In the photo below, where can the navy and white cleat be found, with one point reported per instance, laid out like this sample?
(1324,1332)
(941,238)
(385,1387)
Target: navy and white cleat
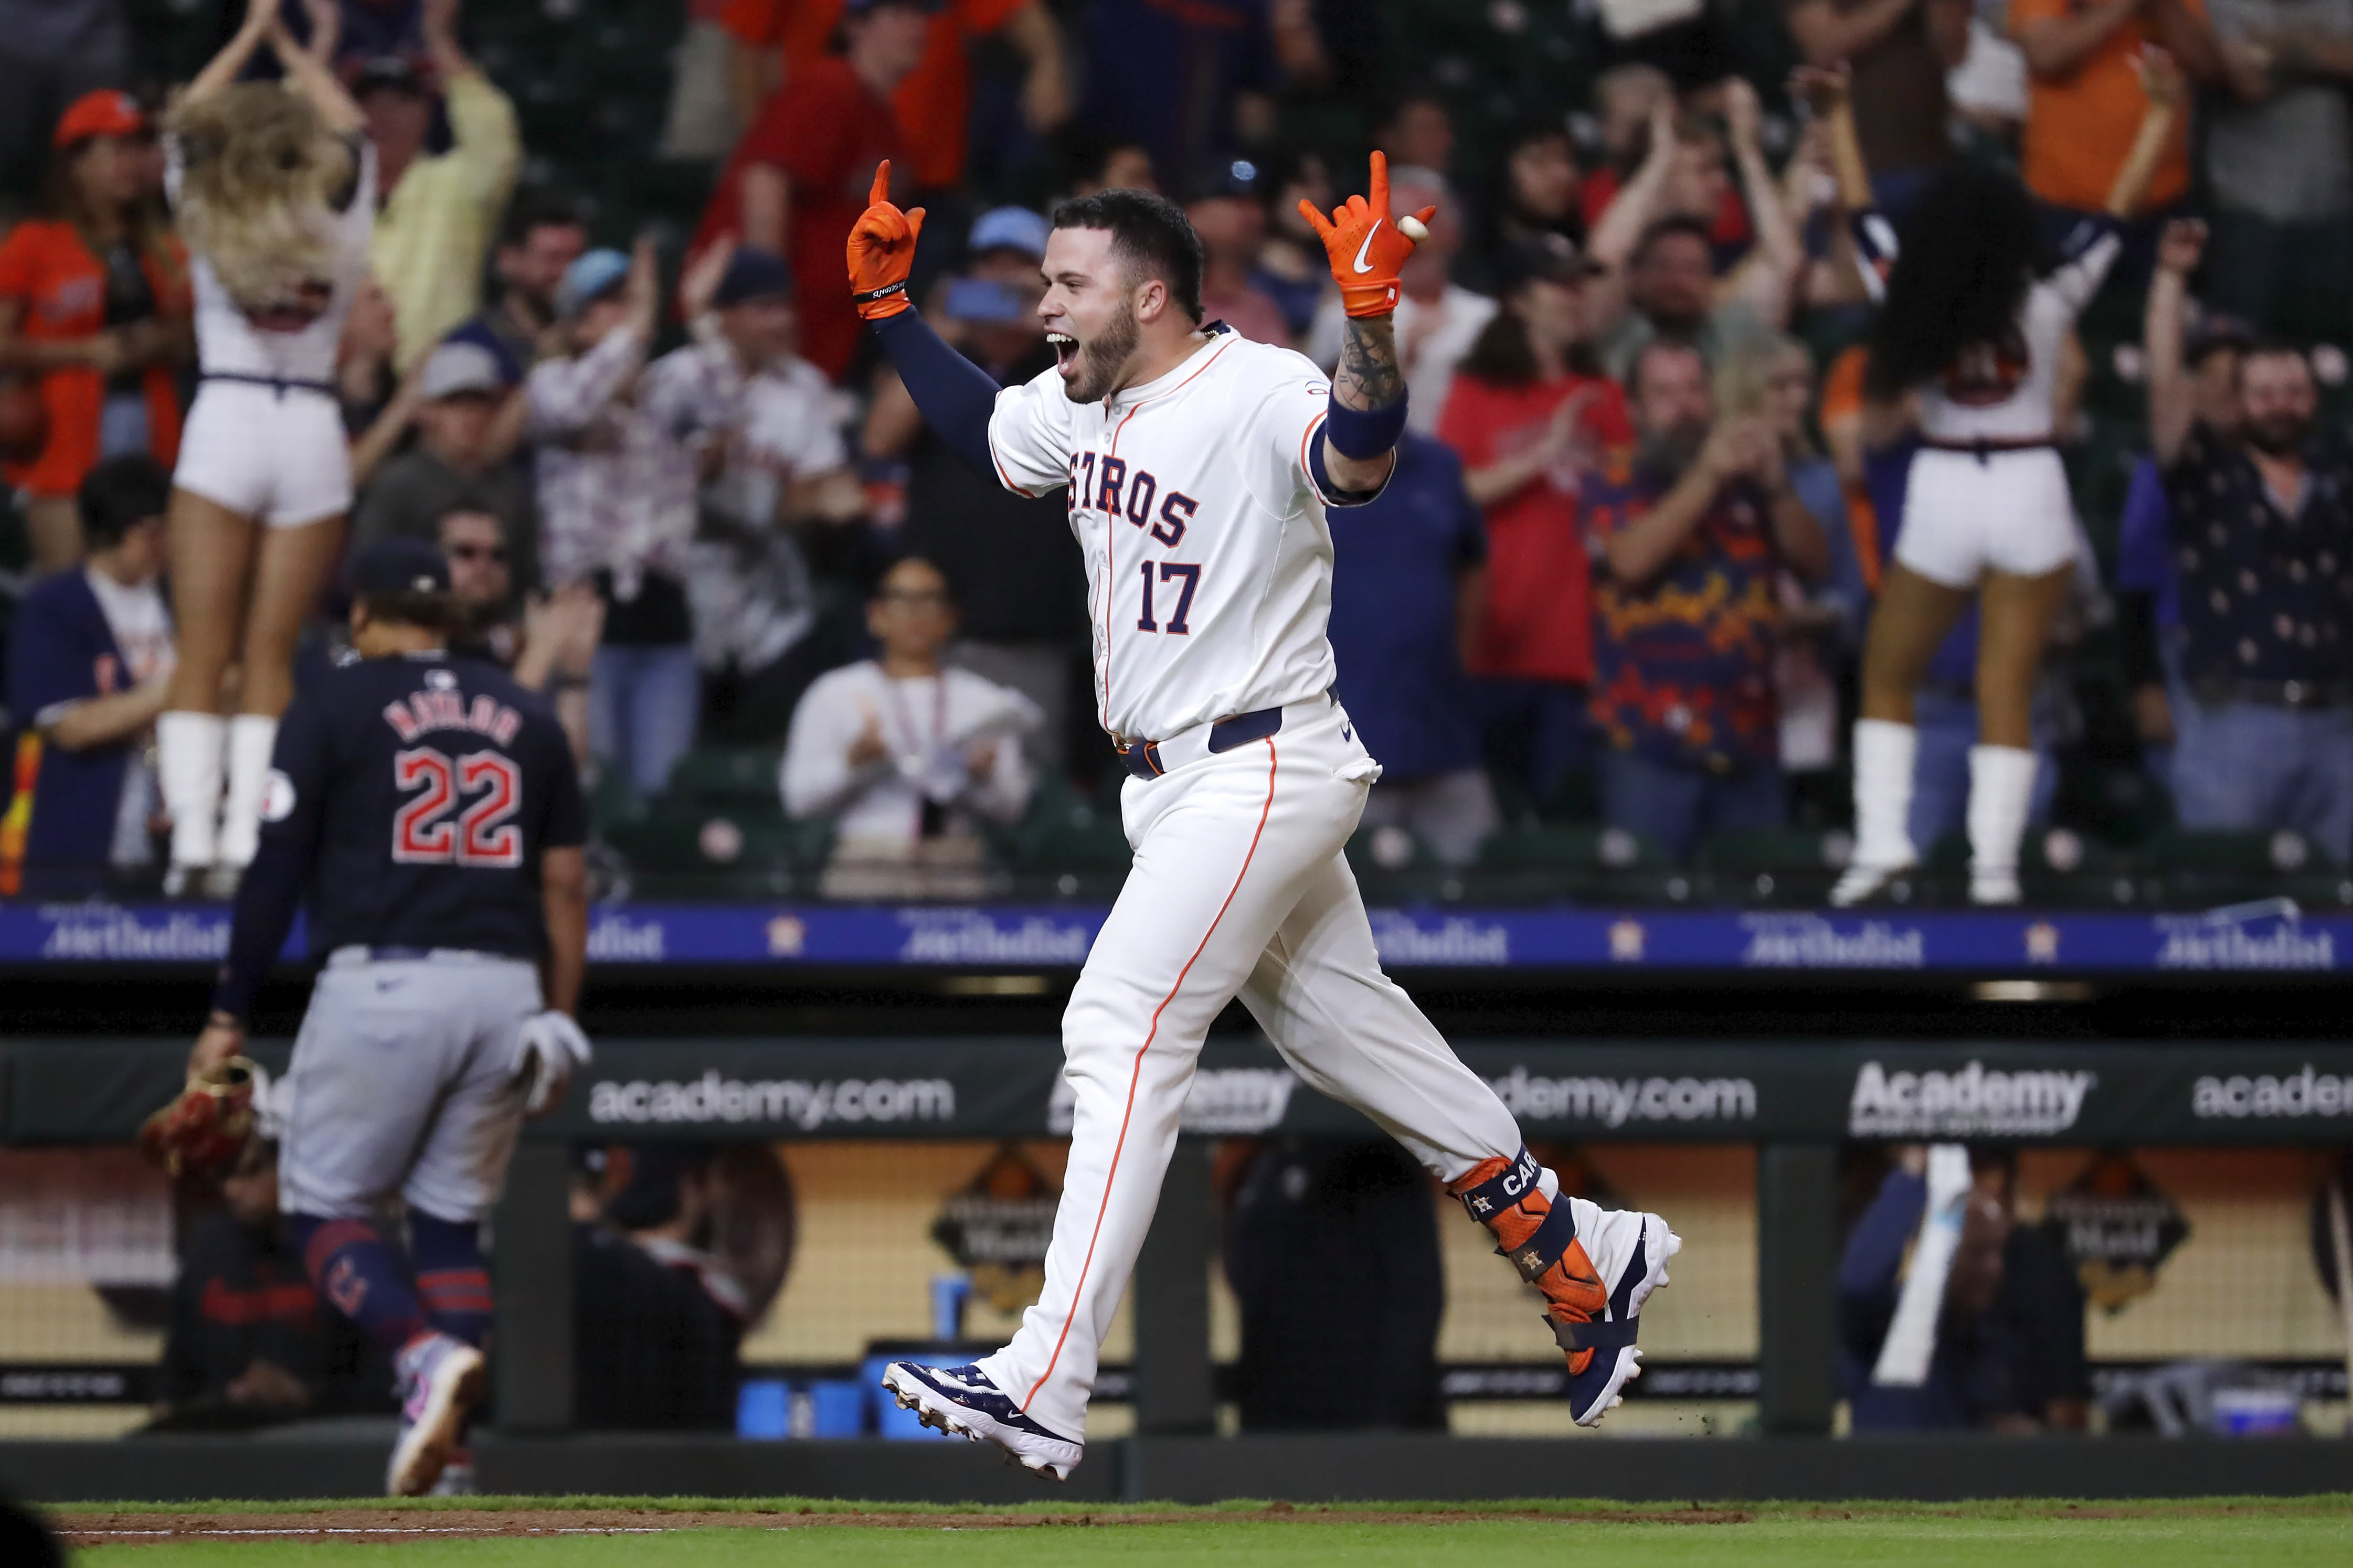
(961,1400)
(1629,1252)
(441,1380)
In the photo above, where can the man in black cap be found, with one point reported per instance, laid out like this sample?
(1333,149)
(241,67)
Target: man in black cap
(1226,204)
(427,812)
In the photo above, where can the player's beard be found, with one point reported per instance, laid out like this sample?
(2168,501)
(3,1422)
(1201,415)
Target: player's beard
(1102,359)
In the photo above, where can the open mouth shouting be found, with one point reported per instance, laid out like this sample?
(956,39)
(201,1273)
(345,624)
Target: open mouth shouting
(1066,353)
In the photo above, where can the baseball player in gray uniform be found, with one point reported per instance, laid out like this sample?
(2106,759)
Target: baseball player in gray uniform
(426,810)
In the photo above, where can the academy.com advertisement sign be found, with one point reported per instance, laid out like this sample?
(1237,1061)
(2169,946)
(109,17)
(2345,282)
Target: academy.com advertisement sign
(2079,1094)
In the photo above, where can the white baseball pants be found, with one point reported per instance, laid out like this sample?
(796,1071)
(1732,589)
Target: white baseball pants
(1239,888)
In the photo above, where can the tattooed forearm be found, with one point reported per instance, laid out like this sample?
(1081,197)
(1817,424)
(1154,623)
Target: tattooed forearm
(1368,377)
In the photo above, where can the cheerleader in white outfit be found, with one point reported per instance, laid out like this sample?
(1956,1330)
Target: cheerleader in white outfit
(275,193)
(1967,345)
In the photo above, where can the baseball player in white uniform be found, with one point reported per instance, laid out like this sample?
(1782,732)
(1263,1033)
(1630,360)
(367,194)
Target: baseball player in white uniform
(1199,468)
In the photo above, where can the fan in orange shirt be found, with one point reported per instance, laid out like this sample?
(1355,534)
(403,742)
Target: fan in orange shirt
(2085,99)
(776,39)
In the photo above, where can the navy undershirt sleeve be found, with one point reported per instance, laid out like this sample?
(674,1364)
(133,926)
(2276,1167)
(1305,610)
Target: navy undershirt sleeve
(267,897)
(955,396)
(272,887)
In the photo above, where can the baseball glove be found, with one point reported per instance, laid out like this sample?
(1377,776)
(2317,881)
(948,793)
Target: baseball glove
(204,1129)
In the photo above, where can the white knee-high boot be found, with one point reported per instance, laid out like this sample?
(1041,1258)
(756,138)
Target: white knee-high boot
(188,749)
(251,737)
(1884,753)
(2002,787)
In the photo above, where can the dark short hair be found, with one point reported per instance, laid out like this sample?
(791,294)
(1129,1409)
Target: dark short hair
(1659,345)
(538,209)
(882,575)
(1149,234)
(1085,154)
(1667,228)
(120,494)
(1531,129)
(1392,108)
(2276,348)
(430,612)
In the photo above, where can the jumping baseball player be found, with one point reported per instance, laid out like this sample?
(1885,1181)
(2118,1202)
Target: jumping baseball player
(1199,468)
(427,811)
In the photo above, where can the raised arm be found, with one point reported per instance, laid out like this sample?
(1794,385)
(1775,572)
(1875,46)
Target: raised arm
(1367,248)
(2160,77)
(308,72)
(1766,278)
(2056,46)
(1870,239)
(2172,402)
(1827,34)
(1827,93)
(260,18)
(954,395)
(1621,224)
(1037,37)
(487,140)
(2187,37)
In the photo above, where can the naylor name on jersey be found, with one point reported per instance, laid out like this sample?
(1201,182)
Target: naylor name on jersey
(441,708)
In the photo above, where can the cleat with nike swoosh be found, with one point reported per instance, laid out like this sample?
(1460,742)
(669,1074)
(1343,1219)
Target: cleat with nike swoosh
(962,1401)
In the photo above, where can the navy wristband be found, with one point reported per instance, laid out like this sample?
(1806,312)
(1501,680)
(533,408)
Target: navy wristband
(1364,434)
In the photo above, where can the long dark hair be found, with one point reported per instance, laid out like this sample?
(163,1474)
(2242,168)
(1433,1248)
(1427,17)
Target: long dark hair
(1968,253)
(146,226)
(1502,355)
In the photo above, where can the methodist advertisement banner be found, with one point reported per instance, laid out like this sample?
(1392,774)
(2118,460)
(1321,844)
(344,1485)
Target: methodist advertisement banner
(2272,937)
(96,1091)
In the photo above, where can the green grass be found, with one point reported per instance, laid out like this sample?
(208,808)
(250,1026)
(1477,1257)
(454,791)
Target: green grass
(2276,1533)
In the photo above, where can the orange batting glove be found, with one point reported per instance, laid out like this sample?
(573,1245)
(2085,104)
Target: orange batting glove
(882,251)
(1365,249)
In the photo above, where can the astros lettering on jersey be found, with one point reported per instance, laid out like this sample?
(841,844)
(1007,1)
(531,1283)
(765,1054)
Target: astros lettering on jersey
(1208,558)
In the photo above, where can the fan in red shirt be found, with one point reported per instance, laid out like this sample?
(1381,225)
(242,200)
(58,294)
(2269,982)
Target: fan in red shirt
(1529,427)
(776,40)
(801,175)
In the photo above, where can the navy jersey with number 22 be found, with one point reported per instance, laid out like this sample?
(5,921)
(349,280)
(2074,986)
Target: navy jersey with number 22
(420,790)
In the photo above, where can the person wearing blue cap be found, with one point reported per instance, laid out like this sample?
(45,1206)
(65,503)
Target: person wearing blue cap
(1003,239)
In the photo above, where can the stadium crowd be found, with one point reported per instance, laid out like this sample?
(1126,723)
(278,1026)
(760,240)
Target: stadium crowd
(1622,574)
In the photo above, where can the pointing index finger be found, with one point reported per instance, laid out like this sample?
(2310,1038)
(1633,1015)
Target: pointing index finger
(1378,197)
(881,194)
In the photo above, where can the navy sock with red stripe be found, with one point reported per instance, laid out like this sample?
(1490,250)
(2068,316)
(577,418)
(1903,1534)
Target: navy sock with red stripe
(356,1271)
(451,1282)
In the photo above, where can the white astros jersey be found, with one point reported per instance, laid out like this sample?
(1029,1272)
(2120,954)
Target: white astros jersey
(1208,560)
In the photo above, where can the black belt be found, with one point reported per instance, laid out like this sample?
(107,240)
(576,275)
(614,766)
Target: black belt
(2215,690)
(398,954)
(1143,759)
(279,384)
(1985,447)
